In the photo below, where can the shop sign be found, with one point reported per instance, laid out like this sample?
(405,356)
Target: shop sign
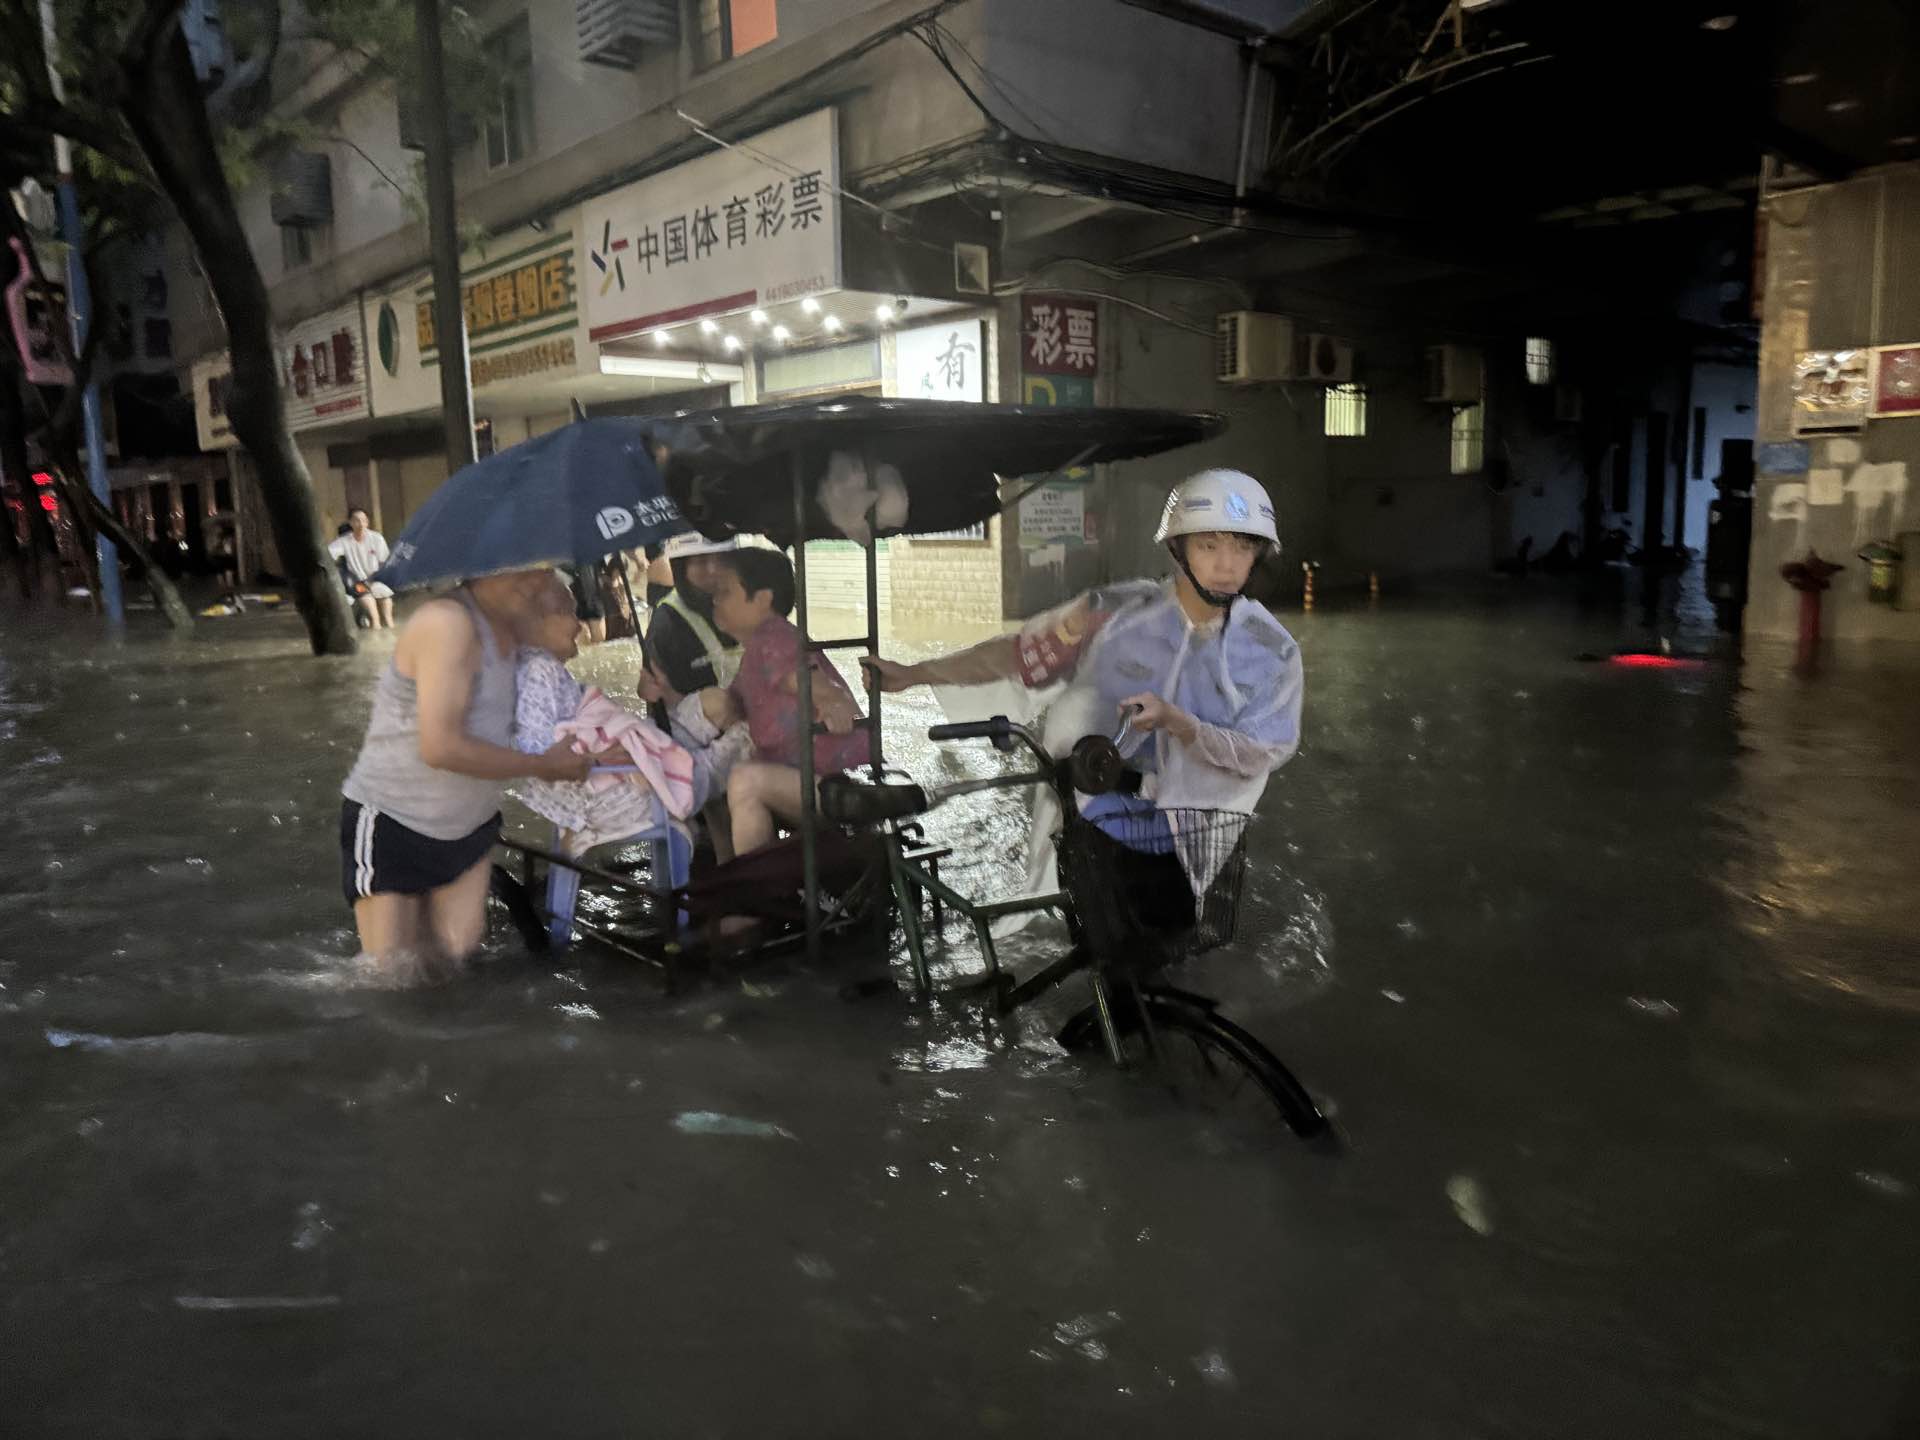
(1896,380)
(323,372)
(523,318)
(755,224)
(540,289)
(1059,335)
(37,311)
(941,362)
(212,379)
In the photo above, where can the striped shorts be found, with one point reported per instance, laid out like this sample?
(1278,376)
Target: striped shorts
(380,856)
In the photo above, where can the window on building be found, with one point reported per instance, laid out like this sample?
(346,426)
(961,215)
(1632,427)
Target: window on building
(119,339)
(1346,411)
(296,246)
(1699,442)
(1469,441)
(159,339)
(1540,368)
(510,121)
(726,28)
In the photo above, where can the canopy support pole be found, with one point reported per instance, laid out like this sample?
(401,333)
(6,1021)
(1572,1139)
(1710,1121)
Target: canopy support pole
(873,646)
(803,684)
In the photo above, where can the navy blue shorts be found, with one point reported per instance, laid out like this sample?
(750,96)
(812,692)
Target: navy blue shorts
(380,856)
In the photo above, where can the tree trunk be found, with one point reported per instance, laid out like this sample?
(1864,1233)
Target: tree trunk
(163,108)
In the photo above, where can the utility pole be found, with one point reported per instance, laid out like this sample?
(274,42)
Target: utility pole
(443,235)
(80,304)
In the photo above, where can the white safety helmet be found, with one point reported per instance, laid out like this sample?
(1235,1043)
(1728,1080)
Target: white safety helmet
(680,547)
(1219,500)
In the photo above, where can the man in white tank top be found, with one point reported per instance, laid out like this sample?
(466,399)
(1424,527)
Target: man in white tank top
(422,804)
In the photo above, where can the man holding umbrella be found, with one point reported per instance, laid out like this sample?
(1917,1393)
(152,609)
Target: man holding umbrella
(421,809)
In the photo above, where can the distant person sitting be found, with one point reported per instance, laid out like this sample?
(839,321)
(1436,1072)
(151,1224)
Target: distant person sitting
(752,597)
(347,582)
(363,552)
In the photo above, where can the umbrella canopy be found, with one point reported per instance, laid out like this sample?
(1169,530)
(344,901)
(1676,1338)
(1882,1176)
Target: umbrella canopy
(731,471)
(570,496)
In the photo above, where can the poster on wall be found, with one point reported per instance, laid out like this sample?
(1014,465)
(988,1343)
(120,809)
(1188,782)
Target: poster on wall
(1831,391)
(1054,515)
(1896,381)
(1057,513)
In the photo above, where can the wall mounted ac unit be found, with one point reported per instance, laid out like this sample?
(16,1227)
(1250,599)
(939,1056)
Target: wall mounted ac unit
(1328,360)
(1250,347)
(1568,403)
(619,32)
(1454,375)
(302,192)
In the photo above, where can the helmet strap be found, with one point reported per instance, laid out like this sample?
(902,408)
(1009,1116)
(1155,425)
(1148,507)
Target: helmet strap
(1219,601)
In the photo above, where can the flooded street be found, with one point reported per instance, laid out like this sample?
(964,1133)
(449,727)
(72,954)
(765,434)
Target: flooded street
(1609,976)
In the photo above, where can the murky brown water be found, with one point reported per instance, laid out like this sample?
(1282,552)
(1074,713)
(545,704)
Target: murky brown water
(1610,975)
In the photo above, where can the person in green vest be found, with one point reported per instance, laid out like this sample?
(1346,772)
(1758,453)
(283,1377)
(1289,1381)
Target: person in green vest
(688,655)
(685,649)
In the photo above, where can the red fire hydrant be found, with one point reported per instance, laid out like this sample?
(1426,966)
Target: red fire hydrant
(1810,577)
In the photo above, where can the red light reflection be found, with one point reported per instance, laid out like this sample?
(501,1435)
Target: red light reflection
(1642,660)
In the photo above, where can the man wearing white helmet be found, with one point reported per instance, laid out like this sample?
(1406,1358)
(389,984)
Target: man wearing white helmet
(1200,685)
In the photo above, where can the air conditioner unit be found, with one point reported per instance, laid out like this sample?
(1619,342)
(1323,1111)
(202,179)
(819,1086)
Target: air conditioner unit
(1568,403)
(1454,375)
(1250,347)
(619,32)
(1328,360)
(302,189)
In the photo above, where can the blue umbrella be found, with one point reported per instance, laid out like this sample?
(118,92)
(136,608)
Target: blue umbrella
(571,496)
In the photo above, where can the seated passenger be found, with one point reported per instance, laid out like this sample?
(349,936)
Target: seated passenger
(752,597)
(667,782)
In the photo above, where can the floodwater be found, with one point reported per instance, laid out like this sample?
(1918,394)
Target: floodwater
(1609,975)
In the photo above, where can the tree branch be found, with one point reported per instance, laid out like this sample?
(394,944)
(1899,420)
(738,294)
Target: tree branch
(40,121)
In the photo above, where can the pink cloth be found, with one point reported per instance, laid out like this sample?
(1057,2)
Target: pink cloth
(769,660)
(600,724)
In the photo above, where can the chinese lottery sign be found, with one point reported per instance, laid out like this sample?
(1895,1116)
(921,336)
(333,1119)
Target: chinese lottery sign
(752,225)
(1059,335)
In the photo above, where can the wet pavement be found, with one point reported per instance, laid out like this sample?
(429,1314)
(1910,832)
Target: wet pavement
(1609,974)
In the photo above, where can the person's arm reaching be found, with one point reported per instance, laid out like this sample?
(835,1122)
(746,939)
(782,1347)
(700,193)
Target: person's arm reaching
(440,647)
(994,659)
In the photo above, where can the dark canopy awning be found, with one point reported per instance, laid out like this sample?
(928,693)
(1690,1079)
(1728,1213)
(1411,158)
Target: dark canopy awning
(731,471)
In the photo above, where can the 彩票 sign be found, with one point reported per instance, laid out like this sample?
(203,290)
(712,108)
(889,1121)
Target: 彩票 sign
(1059,335)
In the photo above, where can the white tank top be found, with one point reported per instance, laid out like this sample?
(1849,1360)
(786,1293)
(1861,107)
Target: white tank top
(389,776)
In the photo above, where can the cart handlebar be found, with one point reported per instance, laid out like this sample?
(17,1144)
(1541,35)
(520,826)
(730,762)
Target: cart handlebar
(998,728)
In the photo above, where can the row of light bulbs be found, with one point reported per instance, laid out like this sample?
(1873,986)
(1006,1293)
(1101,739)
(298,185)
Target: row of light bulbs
(832,324)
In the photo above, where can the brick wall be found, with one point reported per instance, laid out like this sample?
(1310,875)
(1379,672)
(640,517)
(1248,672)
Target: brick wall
(948,579)
(837,575)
